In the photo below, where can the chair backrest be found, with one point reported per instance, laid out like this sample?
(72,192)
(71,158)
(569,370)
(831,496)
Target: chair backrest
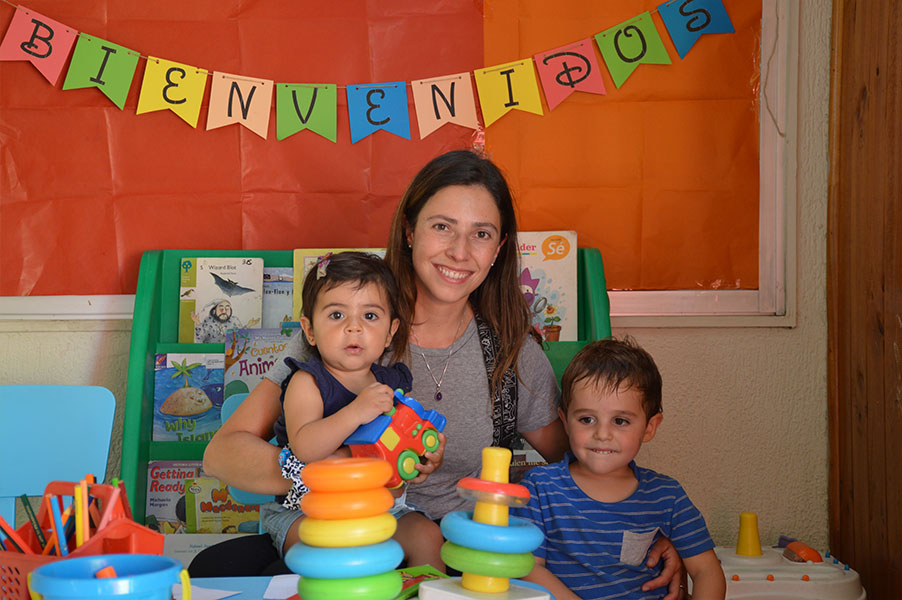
(241,496)
(51,433)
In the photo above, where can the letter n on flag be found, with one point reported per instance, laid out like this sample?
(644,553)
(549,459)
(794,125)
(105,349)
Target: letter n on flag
(568,69)
(312,106)
(243,100)
(442,100)
(511,86)
(43,42)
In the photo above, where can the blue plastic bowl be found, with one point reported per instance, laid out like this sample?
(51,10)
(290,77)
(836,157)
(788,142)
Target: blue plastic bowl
(138,577)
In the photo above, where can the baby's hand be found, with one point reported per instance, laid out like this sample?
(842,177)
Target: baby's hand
(374,400)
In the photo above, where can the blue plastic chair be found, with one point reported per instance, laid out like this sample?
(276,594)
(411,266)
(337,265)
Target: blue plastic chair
(51,433)
(241,496)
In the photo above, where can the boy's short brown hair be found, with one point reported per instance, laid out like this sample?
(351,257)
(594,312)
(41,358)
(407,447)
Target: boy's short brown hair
(610,364)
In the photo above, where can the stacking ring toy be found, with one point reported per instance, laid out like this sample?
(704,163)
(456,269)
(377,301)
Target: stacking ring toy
(518,537)
(384,586)
(492,492)
(347,532)
(336,563)
(487,564)
(346,474)
(347,505)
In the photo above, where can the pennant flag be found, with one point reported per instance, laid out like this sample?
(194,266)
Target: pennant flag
(506,87)
(178,87)
(378,106)
(107,66)
(43,42)
(442,100)
(306,106)
(243,100)
(629,44)
(568,69)
(687,20)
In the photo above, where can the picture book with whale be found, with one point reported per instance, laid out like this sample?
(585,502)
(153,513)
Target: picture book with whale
(218,294)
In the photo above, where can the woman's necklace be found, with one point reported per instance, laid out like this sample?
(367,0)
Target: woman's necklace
(438,382)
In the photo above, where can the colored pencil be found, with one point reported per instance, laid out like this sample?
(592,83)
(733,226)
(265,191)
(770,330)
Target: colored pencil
(79,517)
(57,522)
(29,512)
(14,537)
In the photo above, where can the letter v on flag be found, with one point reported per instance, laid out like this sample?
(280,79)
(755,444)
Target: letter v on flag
(43,42)
(312,106)
(175,86)
(505,87)
(243,100)
(442,100)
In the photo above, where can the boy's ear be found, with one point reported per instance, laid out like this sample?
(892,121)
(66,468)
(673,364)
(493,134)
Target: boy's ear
(395,323)
(563,417)
(652,427)
(307,326)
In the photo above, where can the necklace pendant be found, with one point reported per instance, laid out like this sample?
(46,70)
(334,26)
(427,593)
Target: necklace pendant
(438,396)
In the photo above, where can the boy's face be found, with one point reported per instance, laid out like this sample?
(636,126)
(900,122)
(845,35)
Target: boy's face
(607,428)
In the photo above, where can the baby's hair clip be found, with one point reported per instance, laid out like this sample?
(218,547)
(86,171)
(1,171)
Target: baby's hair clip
(322,264)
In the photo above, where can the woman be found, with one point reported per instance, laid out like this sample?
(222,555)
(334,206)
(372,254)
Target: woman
(453,250)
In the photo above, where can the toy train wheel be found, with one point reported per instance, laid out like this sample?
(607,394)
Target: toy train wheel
(430,440)
(407,461)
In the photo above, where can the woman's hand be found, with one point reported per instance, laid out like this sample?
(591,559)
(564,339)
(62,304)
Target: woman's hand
(672,573)
(433,461)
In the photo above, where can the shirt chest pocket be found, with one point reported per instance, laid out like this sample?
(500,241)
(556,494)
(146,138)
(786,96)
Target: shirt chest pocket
(634,546)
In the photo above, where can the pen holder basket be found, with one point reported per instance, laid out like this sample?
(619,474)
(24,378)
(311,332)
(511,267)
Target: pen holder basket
(137,577)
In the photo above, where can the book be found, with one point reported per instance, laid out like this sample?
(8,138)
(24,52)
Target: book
(187,396)
(184,548)
(412,577)
(548,278)
(249,353)
(278,287)
(165,506)
(304,259)
(217,294)
(209,508)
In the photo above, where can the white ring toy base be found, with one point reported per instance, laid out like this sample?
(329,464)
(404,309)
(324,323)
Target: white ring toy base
(450,589)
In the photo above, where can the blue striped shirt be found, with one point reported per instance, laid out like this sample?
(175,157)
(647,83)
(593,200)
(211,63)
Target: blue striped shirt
(584,538)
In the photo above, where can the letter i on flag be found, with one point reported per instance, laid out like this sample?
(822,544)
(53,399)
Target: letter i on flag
(178,87)
(629,44)
(569,69)
(237,99)
(687,20)
(378,106)
(442,100)
(107,66)
(507,87)
(43,42)
(312,106)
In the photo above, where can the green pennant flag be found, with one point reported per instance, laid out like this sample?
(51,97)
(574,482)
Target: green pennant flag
(104,65)
(306,106)
(629,44)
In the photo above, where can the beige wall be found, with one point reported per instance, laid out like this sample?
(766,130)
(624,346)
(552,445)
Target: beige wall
(745,425)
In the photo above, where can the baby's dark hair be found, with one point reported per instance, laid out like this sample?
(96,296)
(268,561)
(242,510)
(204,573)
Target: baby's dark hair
(610,364)
(360,268)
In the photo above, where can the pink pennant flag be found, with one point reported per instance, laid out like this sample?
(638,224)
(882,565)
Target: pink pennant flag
(441,100)
(43,42)
(237,99)
(568,69)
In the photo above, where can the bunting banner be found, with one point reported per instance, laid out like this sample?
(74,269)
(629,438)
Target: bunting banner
(236,99)
(312,106)
(107,66)
(442,100)
(687,20)
(376,106)
(635,41)
(43,42)
(172,85)
(511,86)
(568,69)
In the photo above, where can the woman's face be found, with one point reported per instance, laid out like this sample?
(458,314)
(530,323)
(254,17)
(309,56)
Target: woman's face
(454,242)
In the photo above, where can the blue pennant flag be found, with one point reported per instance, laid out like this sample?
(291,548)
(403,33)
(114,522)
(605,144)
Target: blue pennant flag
(377,106)
(687,20)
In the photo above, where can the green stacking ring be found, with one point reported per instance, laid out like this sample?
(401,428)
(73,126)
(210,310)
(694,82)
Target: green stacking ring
(489,564)
(383,586)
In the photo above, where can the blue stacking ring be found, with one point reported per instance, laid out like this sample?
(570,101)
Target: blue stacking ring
(519,537)
(352,561)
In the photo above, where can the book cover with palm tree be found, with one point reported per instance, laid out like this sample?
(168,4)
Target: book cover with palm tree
(187,396)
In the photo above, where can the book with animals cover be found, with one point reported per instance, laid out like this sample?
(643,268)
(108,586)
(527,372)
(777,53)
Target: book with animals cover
(187,396)
(278,288)
(548,280)
(249,353)
(305,258)
(218,294)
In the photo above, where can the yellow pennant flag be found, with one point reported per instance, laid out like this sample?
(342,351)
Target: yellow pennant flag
(178,87)
(236,99)
(506,87)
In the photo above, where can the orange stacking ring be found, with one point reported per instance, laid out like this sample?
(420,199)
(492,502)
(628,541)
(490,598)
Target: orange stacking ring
(492,492)
(346,505)
(346,474)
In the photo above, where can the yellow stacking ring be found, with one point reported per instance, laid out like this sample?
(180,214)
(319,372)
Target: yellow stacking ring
(346,474)
(347,505)
(347,532)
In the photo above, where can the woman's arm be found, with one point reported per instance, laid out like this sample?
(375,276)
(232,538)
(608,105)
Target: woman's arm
(708,581)
(240,454)
(551,441)
(671,575)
